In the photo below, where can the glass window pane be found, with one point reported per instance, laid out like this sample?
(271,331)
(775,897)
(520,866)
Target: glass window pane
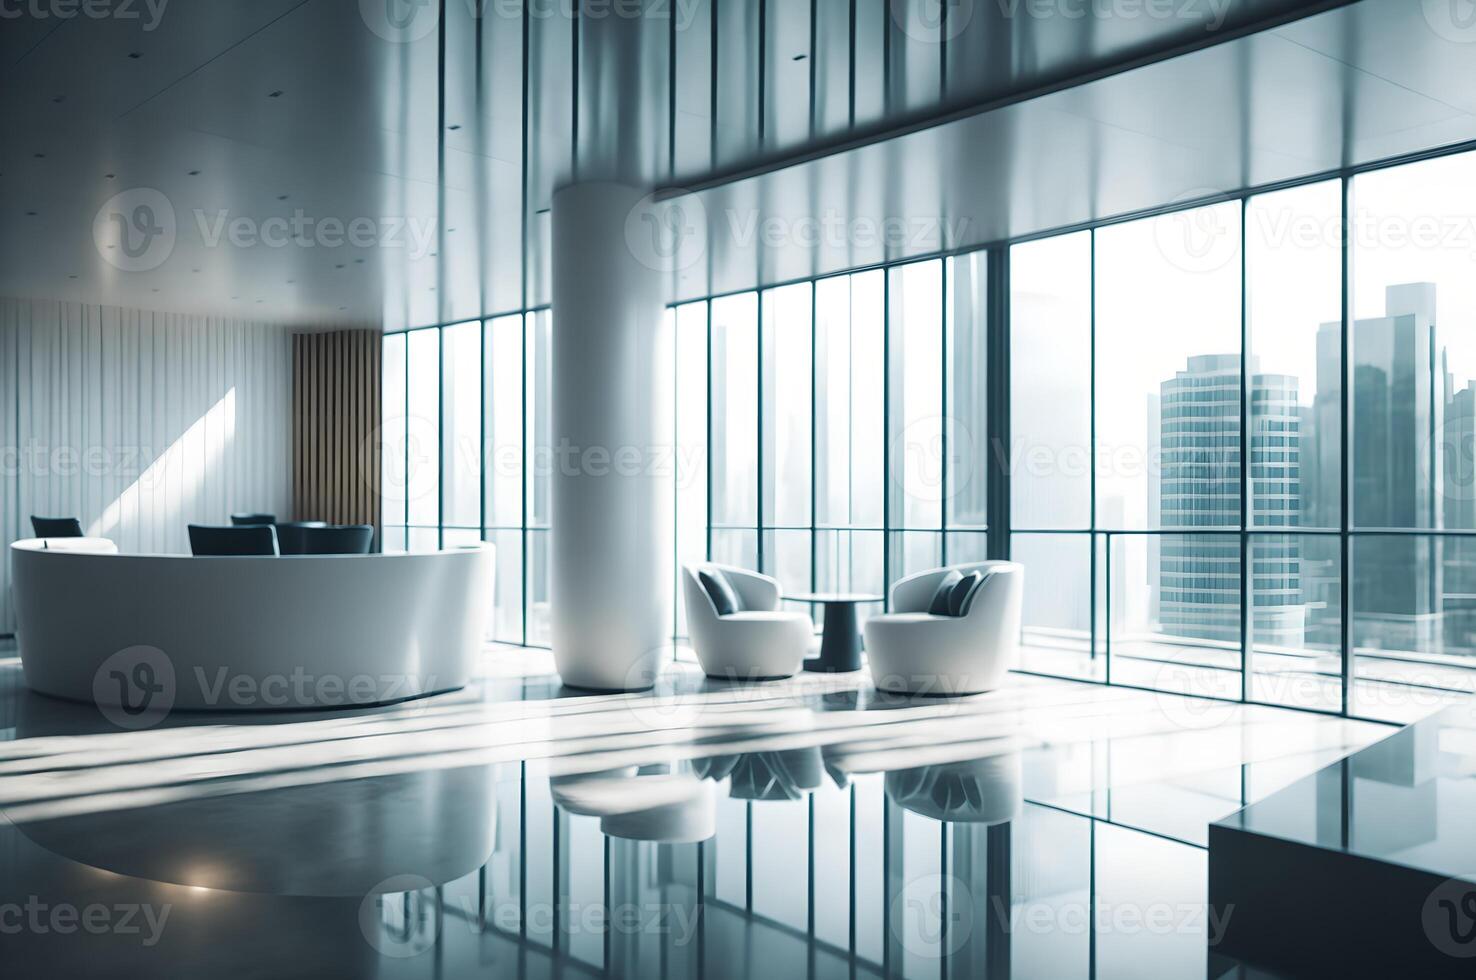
(424,539)
(916,393)
(539,626)
(1175,612)
(1413,346)
(786,406)
(393,446)
(461,441)
(504,423)
(850,347)
(1296,621)
(1168,370)
(1051,383)
(691,442)
(507,603)
(966,546)
(396,539)
(1056,631)
(967,382)
(539,416)
(735,409)
(913,552)
(1412,624)
(787,558)
(423,427)
(735,546)
(850,561)
(1294,308)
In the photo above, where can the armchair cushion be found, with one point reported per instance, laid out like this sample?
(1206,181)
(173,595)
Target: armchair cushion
(942,604)
(720,590)
(963,593)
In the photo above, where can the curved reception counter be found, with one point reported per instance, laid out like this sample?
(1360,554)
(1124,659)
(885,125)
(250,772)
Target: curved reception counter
(144,634)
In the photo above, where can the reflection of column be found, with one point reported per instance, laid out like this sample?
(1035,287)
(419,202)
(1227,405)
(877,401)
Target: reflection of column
(611,550)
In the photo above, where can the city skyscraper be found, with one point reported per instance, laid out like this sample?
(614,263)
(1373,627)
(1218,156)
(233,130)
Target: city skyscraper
(1398,409)
(1199,439)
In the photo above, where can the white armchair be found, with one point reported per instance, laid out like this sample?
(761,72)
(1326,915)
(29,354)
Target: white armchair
(912,651)
(759,642)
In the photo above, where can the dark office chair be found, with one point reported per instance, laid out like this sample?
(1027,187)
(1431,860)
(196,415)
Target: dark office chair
(351,539)
(290,536)
(252,520)
(57,527)
(250,539)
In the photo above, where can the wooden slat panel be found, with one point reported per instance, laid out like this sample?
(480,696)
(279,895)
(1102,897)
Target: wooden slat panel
(337,378)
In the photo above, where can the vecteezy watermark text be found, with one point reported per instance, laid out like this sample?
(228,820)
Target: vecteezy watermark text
(302,230)
(149,12)
(40,918)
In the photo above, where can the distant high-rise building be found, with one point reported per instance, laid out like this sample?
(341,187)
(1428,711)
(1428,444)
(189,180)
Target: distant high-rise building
(1199,439)
(1398,408)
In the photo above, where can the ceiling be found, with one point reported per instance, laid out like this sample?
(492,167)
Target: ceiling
(324,161)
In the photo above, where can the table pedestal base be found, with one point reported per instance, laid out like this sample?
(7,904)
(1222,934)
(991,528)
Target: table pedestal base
(840,645)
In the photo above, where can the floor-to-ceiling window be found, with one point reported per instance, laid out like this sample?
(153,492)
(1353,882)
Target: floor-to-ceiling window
(1245,480)
(1237,457)
(845,426)
(467,455)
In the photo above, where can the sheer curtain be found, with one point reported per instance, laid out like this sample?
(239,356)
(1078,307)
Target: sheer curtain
(138,423)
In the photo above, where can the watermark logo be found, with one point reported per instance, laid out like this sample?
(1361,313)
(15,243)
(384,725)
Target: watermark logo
(1453,20)
(1186,697)
(933,916)
(401,916)
(1201,239)
(135,230)
(933,459)
(135,688)
(1449,918)
(150,12)
(932,21)
(40,918)
(400,21)
(416,236)
(409,450)
(667,233)
(1451,448)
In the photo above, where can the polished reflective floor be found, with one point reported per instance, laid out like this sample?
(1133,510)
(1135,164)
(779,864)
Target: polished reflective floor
(808,828)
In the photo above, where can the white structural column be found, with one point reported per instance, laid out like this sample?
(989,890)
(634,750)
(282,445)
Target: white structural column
(611,554)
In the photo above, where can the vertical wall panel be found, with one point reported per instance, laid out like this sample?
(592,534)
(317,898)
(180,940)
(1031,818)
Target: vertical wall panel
(138,423)
(336,459)
(736,123)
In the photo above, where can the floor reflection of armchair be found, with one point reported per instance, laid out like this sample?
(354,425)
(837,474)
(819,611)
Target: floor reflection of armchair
(927,646)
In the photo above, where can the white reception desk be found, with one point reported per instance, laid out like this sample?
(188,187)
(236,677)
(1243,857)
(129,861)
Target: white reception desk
(165,632)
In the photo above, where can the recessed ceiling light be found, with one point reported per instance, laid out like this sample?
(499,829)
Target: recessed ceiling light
(39,156)
(281,197)
(30,214)
(59,99)
(291,281)
(108,176)
(343,307)
(194,173)
(338,266)
(358,261)
(454,126)
(275,95)
(71,277)
(135,55)
(156,289)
